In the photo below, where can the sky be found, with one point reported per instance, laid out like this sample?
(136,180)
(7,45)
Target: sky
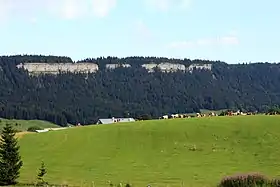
(233,31)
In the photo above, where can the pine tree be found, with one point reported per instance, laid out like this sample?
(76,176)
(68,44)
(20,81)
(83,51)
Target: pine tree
(10,159)
(42,172)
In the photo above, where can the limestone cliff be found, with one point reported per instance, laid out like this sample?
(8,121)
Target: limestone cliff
(55,68)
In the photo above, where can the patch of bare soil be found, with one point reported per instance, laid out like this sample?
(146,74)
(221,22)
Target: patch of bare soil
(21,134)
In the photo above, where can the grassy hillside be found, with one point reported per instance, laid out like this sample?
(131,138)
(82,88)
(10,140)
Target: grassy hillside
(167,152)
(23,125)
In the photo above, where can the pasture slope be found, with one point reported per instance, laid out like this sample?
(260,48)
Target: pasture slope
(197,152)
(23,125)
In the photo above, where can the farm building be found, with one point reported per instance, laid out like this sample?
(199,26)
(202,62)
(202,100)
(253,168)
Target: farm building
(114,120)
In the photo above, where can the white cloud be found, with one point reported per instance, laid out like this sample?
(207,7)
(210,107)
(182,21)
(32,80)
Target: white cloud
(65,9)
(231,39)
(165,5)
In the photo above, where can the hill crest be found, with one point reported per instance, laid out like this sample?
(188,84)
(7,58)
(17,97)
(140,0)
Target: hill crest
(75,98)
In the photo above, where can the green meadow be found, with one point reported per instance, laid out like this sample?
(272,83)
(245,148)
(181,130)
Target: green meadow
(23,125)
(181,152)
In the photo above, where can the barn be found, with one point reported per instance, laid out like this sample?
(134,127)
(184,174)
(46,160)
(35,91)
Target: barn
(114,120)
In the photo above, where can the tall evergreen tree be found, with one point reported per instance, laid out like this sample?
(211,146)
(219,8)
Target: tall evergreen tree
(42,172)
(10,159)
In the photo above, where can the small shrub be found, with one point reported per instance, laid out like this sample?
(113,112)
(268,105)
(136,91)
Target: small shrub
(33,129)
(275,183)
(245,180)
(17,130)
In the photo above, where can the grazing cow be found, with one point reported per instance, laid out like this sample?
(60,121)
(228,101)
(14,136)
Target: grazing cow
(165,117)
(174,115)
(243,114)
(212,114)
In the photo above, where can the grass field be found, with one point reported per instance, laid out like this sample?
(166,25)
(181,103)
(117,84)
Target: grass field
(23,125)
(158,152)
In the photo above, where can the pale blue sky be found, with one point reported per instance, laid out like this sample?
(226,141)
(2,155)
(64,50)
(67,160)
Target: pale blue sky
(234,31)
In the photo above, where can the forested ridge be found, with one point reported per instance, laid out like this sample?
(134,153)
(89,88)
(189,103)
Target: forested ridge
(79,98)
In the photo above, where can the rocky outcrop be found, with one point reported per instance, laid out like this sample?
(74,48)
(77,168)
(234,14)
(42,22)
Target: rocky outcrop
(149,67)
(55,68)
(199,66)
(114,66)
(170,67)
